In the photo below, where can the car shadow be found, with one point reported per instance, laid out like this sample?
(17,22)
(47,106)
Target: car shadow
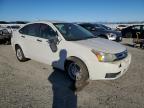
(132,46)
(63,87)
(4,42)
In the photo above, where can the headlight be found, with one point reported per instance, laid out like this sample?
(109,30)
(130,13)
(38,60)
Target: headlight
(104,57)
(111,35)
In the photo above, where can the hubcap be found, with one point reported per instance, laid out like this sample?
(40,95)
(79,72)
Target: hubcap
(19,54)
(74,71)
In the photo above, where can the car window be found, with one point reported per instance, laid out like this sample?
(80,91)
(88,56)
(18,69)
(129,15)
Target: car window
(15,27)
(143,27)
(31,29)
(136,27)
(88,27)
(46,31)
(121,25)
(73,32)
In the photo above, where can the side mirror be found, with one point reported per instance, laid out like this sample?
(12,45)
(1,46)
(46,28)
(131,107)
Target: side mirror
(54,41)
(53,44)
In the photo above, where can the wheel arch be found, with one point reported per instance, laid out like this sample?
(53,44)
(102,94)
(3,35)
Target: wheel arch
(16,46)
(72,58)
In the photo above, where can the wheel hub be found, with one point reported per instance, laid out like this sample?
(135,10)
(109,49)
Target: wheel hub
(74,71)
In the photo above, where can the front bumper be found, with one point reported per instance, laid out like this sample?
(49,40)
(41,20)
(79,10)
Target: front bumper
(109,70)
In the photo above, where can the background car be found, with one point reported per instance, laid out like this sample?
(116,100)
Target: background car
(5,36)
(101,31)
(130,32)
(72,48)
(121,27)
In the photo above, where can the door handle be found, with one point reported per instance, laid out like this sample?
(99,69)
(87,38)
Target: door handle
(23,36)
(39,40)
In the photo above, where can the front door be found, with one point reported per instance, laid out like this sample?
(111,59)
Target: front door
(43,50)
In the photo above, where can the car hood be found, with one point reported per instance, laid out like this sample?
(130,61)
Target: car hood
(102,45)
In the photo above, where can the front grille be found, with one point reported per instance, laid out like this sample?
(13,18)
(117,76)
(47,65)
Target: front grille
(122,55)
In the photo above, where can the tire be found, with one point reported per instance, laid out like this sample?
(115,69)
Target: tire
(78,72)
(20,55)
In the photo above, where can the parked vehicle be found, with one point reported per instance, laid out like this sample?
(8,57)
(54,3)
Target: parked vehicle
(12,28)
(5,36)
(130,32)
(100,31)
(71,48)
(121,27)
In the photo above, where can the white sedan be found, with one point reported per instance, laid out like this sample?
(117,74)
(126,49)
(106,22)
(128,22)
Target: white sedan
(71,48)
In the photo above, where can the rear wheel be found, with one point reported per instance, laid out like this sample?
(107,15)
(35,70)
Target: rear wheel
(20,55)
(78,72)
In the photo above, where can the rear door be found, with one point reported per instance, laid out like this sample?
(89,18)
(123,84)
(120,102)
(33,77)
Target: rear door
(29,36)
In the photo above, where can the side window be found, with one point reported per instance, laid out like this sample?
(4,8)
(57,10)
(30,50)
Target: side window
(24,30)
(86,27)
(46,31)
(136,27)
(89,27)
(31,29)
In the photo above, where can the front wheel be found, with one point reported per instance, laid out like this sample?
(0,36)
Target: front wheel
(78,72)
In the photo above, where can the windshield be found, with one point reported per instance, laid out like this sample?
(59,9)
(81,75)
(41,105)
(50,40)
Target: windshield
(99,27)
(108,28)
(73,32)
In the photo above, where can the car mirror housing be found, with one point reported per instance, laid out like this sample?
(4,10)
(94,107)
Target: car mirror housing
(53,44)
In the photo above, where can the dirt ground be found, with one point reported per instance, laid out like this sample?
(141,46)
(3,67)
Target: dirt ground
(35,85)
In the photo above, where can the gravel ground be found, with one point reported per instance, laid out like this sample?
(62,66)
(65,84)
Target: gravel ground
(35,85)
